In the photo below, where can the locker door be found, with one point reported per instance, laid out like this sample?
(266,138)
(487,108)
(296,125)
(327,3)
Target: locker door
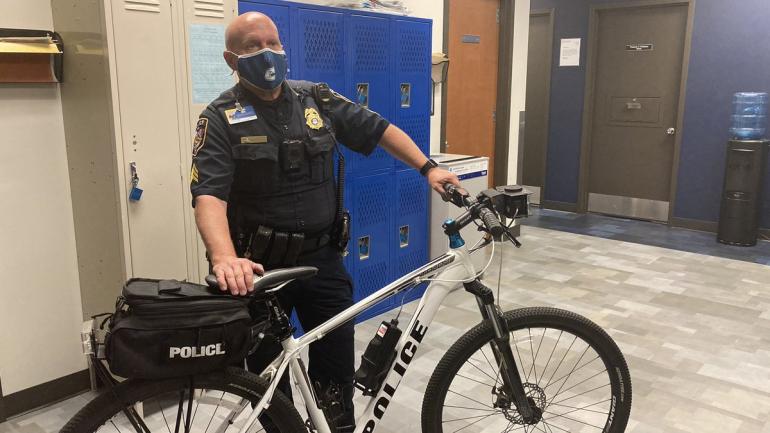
(321,54)
(209,17)
(409,231)
(369,258)
(411,87)
(149,121)
(368,42)
(282,19)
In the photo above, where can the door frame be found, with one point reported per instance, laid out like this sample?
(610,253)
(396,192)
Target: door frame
(520,173)
(504,85)
(588,102)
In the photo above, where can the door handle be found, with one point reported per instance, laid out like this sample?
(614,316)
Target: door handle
(671,131)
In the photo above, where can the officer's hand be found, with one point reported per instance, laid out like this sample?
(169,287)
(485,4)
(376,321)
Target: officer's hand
(236,274)
(437,177)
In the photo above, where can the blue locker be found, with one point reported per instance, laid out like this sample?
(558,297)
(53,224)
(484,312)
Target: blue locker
(368,63)
(411,88)
(409,231)
(319,41)
(282,17)
(369,248)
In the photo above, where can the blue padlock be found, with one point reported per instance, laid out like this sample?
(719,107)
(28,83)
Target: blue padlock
(135,194)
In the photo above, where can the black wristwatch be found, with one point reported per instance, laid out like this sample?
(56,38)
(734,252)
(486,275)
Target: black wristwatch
(428,166)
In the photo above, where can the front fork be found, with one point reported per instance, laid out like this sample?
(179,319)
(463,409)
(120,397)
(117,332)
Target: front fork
(501,348)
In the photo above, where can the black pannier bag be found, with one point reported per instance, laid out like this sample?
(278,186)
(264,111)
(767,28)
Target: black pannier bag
(168,328)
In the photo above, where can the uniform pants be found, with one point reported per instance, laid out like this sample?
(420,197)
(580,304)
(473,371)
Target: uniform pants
(316,300)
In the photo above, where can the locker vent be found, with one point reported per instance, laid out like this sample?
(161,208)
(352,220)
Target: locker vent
(210,8)
(323,45)
(372,278)
(415,55)
(373,204)
(409,262)
(371,53)
(417,127)
(412,196)
(142,5)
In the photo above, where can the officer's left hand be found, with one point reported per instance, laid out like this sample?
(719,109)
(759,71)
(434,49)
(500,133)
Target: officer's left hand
(437,177)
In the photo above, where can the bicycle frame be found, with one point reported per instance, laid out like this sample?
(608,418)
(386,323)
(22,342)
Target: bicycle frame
(449,272)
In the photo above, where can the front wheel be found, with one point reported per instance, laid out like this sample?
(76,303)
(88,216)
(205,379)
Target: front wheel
(570,368)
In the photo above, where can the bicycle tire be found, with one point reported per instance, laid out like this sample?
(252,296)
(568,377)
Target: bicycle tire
(232,380)
(517,320)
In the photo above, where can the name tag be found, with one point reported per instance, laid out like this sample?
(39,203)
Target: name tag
(254,139)
(246,114)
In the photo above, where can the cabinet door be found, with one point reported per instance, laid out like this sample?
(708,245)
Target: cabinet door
(319,38)
(411,87)
(369,259)
(206,76)
(409,231)
(368,63)
(146,90)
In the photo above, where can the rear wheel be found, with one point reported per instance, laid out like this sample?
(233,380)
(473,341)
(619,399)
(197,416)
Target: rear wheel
(221,403)
(572,372)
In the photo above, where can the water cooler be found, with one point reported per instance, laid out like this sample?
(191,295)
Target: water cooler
(744,175)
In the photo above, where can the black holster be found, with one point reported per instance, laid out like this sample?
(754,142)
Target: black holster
(269,247)
(340,234)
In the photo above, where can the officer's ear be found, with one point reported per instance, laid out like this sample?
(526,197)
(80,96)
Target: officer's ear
(232,60)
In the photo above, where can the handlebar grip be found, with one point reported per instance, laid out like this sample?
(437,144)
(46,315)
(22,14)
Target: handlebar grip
(491,222)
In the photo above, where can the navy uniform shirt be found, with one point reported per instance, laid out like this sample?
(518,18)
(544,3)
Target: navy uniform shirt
(240,155)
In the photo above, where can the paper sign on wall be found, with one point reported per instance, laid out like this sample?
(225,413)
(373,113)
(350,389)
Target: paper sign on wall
(570,52)
(210,74)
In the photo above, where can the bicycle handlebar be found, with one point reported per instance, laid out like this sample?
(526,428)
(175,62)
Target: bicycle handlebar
(461,198)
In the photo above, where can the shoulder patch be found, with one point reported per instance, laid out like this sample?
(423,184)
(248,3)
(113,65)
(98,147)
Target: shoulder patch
(200,135)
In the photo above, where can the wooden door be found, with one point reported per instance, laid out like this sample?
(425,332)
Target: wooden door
(472,78)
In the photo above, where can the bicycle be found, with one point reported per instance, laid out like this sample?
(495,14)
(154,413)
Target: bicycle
(493,378)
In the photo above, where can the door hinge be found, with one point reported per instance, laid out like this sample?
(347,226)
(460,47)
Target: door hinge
(494,115)
(497,16)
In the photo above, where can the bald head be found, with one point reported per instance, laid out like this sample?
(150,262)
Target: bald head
(250,32)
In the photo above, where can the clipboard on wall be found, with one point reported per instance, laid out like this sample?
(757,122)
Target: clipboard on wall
(31,56)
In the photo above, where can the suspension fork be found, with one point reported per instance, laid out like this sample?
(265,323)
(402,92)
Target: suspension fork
(501,348)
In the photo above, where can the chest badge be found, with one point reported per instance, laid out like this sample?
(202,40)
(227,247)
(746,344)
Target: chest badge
(313,119)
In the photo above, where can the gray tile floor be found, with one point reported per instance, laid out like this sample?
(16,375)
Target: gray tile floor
(695,331)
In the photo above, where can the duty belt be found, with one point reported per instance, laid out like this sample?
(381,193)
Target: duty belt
(275,248)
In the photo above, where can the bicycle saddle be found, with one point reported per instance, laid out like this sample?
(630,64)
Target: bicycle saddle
(272,279)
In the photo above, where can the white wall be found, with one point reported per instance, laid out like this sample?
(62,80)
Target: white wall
(518,82)
(40,309)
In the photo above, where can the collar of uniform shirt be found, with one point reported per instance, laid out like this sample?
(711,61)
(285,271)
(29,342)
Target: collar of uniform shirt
(254,100)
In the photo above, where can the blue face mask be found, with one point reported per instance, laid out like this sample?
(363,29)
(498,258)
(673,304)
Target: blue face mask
(266,69)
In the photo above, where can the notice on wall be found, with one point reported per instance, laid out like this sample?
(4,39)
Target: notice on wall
(570,52)
(210,75)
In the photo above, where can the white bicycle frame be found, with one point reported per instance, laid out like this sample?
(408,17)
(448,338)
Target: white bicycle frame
(447,273)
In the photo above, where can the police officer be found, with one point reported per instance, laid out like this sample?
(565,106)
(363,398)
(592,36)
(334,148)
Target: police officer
(263,187)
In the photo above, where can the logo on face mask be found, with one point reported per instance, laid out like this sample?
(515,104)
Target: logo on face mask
(270,74)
